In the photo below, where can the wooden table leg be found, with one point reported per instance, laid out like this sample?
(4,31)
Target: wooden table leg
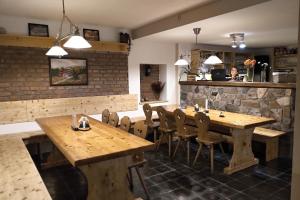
(107,180)
(242,156)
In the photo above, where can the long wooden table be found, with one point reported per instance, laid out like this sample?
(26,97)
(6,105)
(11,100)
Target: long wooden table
(241,127)
(100,153)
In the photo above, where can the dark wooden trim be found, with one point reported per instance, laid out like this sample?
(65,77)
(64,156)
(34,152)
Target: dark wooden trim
(241,84)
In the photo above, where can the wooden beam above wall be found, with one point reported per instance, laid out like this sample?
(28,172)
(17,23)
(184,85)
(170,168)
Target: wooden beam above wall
(193,15)
(47,42)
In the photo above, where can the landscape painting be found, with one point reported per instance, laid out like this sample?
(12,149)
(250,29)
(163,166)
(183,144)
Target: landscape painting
(68,71)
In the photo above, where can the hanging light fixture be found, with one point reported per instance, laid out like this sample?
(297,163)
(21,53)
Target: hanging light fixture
(75,40)
(238,40)
(181,61)
(213,60)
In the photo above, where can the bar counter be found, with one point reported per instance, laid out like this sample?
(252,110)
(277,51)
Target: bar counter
(241,84)
(275,100)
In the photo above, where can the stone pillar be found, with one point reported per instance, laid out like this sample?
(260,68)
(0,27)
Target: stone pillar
(295,195)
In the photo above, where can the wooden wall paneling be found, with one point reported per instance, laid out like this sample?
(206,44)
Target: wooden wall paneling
(14,111)
(29,110)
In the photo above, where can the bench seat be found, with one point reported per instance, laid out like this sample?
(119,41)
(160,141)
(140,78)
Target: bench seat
(20,178)
(270,138)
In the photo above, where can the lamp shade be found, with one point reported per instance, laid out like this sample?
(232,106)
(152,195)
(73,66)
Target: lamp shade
(56,51)
(181,61)
(213,60)
(77,42)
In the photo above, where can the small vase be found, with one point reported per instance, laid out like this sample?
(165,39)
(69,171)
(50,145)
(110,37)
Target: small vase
(250,74)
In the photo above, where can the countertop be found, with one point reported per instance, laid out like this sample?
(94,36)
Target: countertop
(241,84)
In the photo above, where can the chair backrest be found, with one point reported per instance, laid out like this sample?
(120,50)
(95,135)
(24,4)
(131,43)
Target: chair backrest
(140,129)
(125,123)
(148,113)
(202,121)
(105,116)
(163,120)
(113,119)
(180,121)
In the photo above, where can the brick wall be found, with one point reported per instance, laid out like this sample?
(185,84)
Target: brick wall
(24,75)
(146,81)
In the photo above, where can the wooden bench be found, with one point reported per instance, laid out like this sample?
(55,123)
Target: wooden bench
(270,138)
(19,177)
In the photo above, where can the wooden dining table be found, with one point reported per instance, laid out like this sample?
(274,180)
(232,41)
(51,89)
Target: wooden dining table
(102,154)
(241,127)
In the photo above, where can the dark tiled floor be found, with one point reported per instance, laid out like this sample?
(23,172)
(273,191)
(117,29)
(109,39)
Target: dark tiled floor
(172,180)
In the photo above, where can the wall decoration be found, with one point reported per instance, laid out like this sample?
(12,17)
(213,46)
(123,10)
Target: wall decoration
(91,35)
(68,71)
(40,30)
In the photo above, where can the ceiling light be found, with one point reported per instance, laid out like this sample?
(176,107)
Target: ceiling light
(238,40)
(181,61)
(196,32)
(242,45)
(56,51)
(213,60)
(74,38)
(76,41)
(234,45)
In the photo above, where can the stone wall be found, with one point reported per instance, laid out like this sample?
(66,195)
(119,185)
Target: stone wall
(24,75)
(268,102)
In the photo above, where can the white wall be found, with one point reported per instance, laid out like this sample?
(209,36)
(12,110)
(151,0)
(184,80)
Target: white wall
(19,26)
(144,51)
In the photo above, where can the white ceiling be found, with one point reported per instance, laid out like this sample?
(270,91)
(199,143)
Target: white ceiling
(269,24)
(118,13)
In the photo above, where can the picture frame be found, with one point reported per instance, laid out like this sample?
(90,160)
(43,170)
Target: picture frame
(40,30)
(91,34)
(68,71)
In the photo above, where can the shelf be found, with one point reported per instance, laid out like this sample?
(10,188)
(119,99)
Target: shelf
(241,84)
(286,55)
(47,42)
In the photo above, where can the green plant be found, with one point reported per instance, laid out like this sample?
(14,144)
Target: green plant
(157,87)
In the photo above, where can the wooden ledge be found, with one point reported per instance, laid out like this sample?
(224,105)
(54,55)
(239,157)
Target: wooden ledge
(47,42)
(241,84)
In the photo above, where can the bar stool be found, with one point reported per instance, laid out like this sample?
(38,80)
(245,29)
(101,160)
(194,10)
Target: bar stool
(105,116)
(137,161)
(208,138)
(113,119)
(184,132)
(125,124)
(167,128)
(149,122)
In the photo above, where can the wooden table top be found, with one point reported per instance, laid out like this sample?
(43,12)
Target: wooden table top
(19,177)
(230,119)
(102,142)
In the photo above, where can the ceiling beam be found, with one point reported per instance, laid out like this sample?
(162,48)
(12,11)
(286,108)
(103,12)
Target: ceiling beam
(195,14)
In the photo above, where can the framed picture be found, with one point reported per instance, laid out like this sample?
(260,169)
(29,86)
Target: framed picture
(91,35)
(40,30)
(68,71)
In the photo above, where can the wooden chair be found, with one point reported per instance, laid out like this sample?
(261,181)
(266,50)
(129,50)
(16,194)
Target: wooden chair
(184,132)
(208,138)
(149,122)
(105,116)
(125,124)
(137,161)
(113,119)
(167,128)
